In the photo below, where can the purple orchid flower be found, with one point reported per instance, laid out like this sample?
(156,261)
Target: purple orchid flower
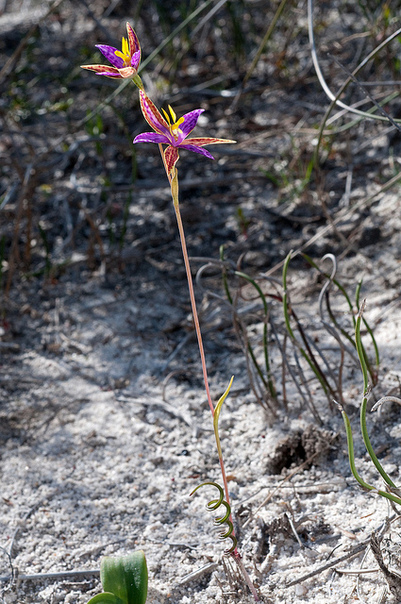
(173,132)
(125,62)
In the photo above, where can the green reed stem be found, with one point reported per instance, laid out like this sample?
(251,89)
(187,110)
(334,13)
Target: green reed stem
(257,366)
(248,344)
(309,359)
(369,330)
(365,436)
(354,471)
(272,390)
(351,307)
(249,347)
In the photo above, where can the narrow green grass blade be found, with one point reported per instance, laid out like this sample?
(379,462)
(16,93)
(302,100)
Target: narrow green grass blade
(376,348)
(285,297)
(309,358)
(271,387)
(354,471)
(363,409)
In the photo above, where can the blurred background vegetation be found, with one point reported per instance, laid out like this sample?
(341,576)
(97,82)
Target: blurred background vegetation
(76,194)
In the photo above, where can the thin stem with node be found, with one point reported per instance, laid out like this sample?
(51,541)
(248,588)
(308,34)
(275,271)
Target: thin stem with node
(174,192)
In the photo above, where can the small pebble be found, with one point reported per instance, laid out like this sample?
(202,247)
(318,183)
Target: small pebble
(300,590)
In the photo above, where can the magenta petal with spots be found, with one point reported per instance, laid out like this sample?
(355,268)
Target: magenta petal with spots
(190,121)
(151,137)
(200,142)
(171,157)
(153,116)
(196,149)
(136,59)
(110,74)
(133,41)
(110,53)
(104,70)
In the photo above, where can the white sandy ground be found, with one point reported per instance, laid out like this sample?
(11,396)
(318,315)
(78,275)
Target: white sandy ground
(105,465)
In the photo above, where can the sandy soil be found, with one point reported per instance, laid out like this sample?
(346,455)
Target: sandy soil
(104,426)
(99,453)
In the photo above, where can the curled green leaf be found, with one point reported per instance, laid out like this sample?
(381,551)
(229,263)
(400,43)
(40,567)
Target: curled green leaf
(225,518)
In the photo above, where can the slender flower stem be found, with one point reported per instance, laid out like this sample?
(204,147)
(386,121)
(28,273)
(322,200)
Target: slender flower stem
(174,193)
(193,304)
(191,287)
(173,180)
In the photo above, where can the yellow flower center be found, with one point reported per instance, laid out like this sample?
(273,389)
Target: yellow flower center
(172,121)
(125,53)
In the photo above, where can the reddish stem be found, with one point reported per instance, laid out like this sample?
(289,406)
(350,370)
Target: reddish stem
(235,555)
(191,289)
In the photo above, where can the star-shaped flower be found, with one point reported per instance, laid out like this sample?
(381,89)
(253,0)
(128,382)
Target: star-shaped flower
(125,62)
(172,132)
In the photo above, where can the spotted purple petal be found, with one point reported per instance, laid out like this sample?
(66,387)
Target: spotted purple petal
(199,150)
(190,120)
(151,137)
(171,157)
(110,74)
(104,70)
(109,53)
(200,142)
(153,116)
(132,40)
(136,59)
